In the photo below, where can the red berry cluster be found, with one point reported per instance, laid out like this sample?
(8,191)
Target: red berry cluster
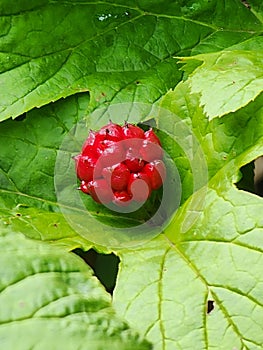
(120,163)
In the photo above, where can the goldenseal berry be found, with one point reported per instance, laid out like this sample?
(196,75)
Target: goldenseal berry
(120,164)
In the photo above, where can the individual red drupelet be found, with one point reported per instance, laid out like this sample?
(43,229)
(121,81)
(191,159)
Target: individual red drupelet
(120,164)
(139,187)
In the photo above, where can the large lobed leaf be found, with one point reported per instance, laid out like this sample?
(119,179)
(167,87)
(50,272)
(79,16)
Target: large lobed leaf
(50,300)
(218,261)
(177,278)
(118,51)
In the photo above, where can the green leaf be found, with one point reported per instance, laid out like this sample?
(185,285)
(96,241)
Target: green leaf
(117,51)
(218,260)
(49,299)
(227,81)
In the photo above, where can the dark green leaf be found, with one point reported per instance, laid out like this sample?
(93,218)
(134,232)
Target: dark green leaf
(118,51)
